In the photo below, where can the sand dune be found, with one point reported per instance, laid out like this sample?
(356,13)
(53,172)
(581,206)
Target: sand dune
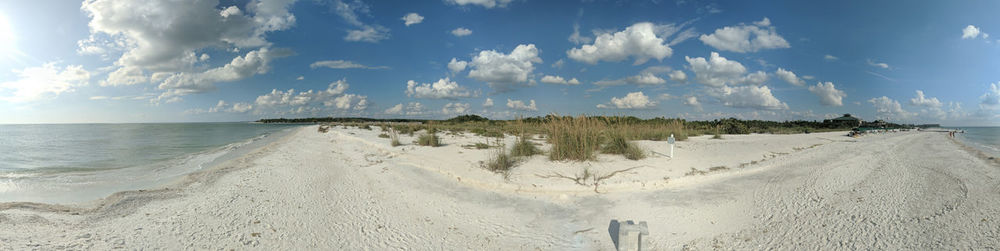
(348,189)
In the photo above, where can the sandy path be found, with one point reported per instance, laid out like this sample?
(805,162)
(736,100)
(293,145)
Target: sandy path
(328,191)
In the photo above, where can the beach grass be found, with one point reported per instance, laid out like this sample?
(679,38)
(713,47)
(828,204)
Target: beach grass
(429,139)
(574,138)
(501,162)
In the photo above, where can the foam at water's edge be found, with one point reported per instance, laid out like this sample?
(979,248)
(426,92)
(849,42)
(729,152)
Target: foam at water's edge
(976,151)
(235,152)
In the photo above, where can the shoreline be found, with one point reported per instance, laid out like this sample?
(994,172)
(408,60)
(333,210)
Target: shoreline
(168,189)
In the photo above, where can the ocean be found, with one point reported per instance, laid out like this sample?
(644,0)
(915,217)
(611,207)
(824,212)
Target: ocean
(986,139)
(72,163)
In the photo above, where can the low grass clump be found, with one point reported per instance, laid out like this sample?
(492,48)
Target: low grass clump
(383,135)
(366,127)
(501,162)
(618,144)
(523,147)
(429,139)
(717,135)
(394,138)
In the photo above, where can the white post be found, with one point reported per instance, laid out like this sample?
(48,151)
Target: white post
(671,142)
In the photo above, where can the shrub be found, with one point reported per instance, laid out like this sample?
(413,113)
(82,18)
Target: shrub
(482,146)
(717,135)
(429,139)
(394,138)
(323,129)
(366,127)
(383,135)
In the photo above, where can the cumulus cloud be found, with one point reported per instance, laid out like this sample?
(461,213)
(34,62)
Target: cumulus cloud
(334,96)
(412,18)
(972,32)
(641,41)
(789,77)
(678,76)
(829,57)
(300,78)
(886,107)
(455,108)
(877,64)
(457,65)
(718,71)
(489,4)
(921,100)
(549,79)
(692,101)
(442,89)
(520,105)
(137,29)
(342,64)
(828,95)
(991,99)
(128,75)
(488,103)
(757,97)
(254,62)
(633,100)
(461,32)
(223,106)
(746,38)
(48,80)
(397,109)
(502,71)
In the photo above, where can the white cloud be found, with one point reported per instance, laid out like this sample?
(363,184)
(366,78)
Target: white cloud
(342,64)
(397,109)
(48,80)
(371,33)
(828,94)
(549,79)
(461,32)
(808,77)
(559,64)
(678,76)
(576,38)
(412,18)
(457,65)
(991,99)
(455,108)
(222,106)
(885,107)
(139,30)
(718,71)
(746,38)
(333,96)
(300,78)
(520,105)
(877,64)
(503,72)
(128,75)
(829,57)
(633,100)
(488,103)
(692,101)
(254,62)
(972,32)
(489,4)
(642,41)
(921,100)
(758,97)
(789,77)
(442,89)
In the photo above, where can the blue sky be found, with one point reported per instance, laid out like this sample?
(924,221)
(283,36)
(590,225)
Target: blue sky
(205,60)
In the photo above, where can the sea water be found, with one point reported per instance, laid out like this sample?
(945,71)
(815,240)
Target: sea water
(985,139)
(71,163)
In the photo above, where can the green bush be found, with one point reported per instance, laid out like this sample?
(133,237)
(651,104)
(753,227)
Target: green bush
(429,139)
(617,144)
(523,147)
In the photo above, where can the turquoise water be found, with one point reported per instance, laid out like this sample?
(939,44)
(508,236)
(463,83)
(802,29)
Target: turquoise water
(68,163)
(986,139)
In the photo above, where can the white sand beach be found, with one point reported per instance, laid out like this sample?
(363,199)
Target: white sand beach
(348,189)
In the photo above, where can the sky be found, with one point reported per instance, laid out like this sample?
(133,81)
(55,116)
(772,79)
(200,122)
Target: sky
(104,61)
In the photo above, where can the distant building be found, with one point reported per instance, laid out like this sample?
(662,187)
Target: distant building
(846,120)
